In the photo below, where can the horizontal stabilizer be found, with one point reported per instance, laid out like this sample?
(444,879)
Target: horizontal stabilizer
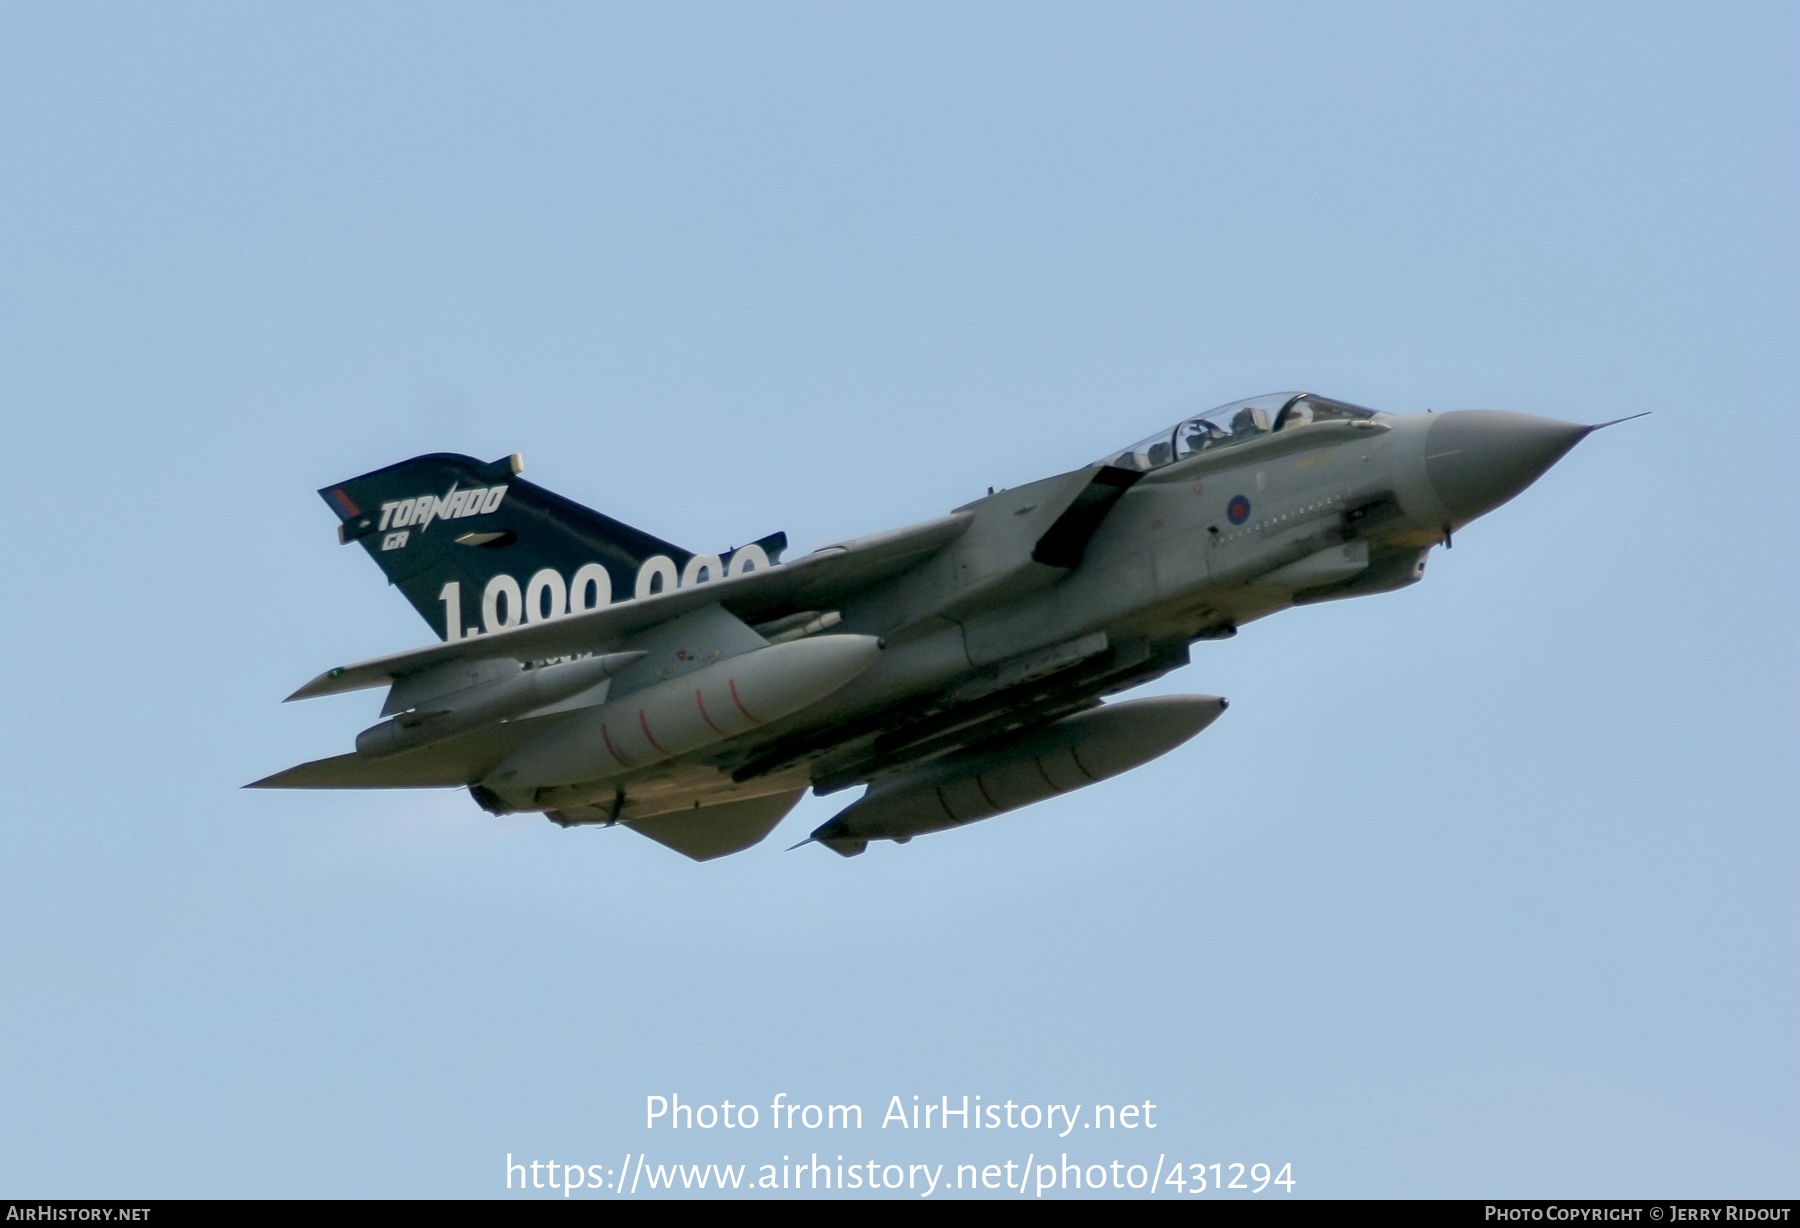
(461,760)
(357,772)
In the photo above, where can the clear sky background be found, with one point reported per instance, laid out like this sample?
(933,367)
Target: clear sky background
(1488,887)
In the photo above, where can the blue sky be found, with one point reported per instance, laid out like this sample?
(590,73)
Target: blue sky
(1487,888)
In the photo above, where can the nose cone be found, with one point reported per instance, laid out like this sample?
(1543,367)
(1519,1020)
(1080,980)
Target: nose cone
(1477,459)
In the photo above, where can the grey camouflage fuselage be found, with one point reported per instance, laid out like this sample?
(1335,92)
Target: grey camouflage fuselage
(968,655)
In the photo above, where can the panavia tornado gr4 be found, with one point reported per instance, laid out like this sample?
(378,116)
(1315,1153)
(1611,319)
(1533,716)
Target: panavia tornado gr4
(958,668)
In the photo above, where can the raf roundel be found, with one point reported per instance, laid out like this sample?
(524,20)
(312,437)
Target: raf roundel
(1238,510)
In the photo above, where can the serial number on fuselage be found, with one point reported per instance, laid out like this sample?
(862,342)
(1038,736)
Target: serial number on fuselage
(547,596)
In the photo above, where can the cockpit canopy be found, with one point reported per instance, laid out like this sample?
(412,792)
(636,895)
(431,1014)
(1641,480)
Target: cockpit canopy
(1235,423)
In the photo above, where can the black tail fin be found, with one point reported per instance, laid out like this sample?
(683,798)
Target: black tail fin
(476,548)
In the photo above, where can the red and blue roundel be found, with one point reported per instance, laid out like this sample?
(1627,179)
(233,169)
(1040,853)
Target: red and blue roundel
(1238,510)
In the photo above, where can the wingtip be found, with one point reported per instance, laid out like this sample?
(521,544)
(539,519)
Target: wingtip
(314,687)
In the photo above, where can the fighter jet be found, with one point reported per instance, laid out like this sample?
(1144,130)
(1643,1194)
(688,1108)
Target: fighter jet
(957,669)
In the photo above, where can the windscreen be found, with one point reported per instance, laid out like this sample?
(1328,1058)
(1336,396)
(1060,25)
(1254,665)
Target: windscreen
(1236,423)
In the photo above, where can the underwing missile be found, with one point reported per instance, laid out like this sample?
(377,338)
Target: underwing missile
(1061,757)
(451,714)
(685,713)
